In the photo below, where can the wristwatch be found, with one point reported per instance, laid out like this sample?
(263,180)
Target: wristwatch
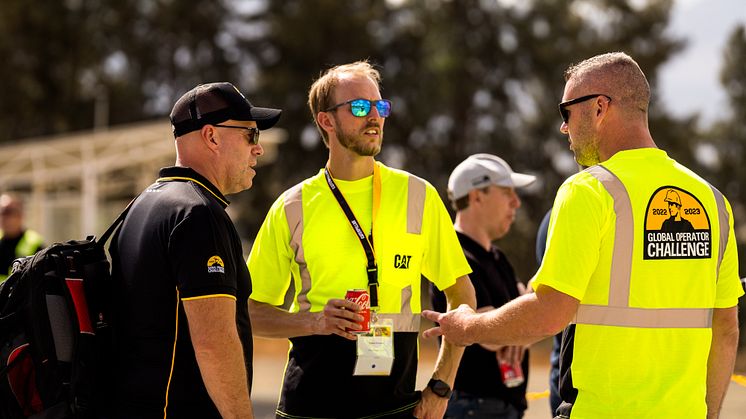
(440,387)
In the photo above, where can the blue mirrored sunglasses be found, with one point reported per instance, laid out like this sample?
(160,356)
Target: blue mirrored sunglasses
(362,107)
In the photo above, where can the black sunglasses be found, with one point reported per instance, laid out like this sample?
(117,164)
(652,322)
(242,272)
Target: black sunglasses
(563,106)
(362,107)
(252,133)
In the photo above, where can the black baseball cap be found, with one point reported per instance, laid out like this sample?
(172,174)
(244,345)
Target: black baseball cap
(213,103)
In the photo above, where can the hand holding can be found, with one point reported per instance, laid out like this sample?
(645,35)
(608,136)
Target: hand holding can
(512,374)
(361,298)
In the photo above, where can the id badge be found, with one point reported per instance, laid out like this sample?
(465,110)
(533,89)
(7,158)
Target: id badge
(375,349)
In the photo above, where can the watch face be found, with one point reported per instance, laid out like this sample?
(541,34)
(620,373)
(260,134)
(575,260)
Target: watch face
(440,388)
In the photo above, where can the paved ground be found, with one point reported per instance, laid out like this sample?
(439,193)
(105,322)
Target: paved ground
(269,364)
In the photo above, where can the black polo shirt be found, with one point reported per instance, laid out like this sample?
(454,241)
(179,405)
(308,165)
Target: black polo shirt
(177,242)
(495,284)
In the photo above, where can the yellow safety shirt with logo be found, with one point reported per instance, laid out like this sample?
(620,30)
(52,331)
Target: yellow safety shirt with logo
(30,243)
(307,239)
(643,328)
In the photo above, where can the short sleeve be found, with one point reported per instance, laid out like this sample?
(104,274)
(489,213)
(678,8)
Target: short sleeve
(578,218)
(729,287)
(198,251)
(444,259)
(271,257)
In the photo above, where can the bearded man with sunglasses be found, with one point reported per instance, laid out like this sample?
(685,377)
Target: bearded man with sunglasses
(181,320)
(654,314)
(357,224)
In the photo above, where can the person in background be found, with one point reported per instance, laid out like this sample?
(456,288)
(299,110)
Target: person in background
(357,224)
(16,241)
(654,314)
(181,318)
(482,190)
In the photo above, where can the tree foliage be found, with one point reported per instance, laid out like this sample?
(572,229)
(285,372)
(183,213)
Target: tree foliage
(131,56)
(464,77)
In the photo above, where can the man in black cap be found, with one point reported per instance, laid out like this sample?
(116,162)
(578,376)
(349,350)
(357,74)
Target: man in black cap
(183,335)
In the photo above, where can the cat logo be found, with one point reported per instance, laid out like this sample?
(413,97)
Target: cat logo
(676,226)
(402,261)
(215,265)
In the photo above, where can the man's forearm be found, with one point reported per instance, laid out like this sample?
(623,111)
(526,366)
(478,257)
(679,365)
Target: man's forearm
(450,355)
(271,322)
(722,358)
(224,374)
(526,319)
(219,353)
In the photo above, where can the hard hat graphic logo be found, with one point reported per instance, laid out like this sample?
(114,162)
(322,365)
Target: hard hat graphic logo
(672,197)
(676,226)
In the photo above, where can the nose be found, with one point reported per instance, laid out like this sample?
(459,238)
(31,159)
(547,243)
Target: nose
(563,127)
(258,150)
(515,202)
(374,117)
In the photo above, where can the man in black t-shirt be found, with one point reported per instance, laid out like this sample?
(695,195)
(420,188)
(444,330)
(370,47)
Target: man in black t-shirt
(482,191)
(181,321)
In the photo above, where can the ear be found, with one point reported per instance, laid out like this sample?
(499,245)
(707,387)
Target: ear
(210,137)
(324,120)
(475,196)
(602,108)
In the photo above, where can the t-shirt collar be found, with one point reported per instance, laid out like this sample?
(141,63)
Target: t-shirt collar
(475,248)
(186,173)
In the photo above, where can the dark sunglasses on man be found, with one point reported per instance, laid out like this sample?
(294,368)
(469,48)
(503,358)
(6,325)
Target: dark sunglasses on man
(362,107)
(252,133)
(563,106)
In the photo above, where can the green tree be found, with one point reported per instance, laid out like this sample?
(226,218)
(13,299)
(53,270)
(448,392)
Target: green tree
(728,139)
(465,77)
(134,57)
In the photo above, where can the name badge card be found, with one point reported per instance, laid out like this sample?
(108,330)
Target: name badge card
(375,349)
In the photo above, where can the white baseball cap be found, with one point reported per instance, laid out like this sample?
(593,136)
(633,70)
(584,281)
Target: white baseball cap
(481,170)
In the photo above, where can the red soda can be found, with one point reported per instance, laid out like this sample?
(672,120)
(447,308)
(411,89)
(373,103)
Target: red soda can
(512,376)
(361,298)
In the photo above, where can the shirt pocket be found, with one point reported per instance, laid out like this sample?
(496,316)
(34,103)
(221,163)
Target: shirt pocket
(399,266)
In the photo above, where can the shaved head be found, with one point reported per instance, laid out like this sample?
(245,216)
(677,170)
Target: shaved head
(615,74)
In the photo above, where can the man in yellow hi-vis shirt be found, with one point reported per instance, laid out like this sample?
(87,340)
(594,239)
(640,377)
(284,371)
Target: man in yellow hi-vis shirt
(16,241)
(357,224)
(654,313)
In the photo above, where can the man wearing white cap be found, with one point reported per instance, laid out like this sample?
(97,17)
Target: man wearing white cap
(482,191)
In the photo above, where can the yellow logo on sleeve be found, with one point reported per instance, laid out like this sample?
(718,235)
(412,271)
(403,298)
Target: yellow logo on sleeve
(215,265)
(676,226)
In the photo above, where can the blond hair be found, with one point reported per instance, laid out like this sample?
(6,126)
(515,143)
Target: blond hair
(321,94)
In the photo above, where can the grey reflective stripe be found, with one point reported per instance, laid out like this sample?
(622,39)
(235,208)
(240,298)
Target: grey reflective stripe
(403,322)
(618,312)
(294,215)
(621,262)
(293,205)
(415,204)
(724,220)
(644,317)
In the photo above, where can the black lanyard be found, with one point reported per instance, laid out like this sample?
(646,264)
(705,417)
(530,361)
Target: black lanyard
(366,242)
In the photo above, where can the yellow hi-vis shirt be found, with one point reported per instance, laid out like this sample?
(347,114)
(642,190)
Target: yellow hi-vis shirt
(30,243)
(413,236)
(638,241)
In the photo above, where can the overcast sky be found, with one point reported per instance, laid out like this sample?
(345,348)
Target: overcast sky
(689,82)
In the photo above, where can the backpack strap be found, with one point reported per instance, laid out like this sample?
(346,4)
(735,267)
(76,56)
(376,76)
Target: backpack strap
(109,231)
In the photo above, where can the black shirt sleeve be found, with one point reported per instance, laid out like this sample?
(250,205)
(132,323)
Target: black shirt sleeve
(198,252)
